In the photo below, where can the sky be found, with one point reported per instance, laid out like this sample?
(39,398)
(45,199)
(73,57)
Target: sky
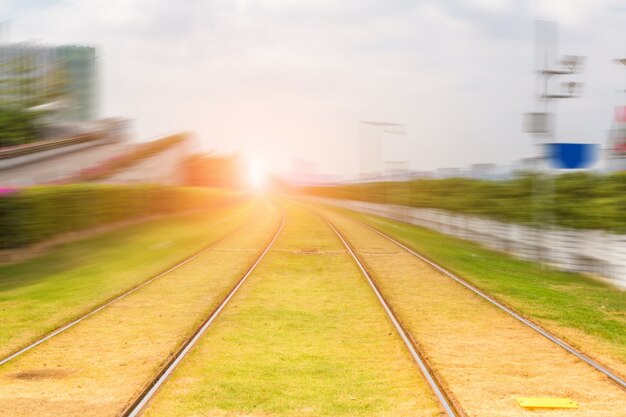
(290,80)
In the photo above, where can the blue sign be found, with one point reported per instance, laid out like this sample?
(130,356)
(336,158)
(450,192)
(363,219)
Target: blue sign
(572,155)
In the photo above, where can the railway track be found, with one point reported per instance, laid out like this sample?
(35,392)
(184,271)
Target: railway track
(447,403)
(511,312)
(137,406)
(100,307)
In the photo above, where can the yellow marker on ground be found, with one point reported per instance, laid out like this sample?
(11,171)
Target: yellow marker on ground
(533,402)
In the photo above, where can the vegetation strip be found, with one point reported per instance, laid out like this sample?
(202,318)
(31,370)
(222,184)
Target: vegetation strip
(33,214)
(485,358)
(121,296)
(143,399)
(435,385)
(578,200)
(305,336)
(615,378)
(98,367)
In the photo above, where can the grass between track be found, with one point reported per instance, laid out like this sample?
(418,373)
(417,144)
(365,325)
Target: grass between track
(39,295)
(585,312)
(305,336)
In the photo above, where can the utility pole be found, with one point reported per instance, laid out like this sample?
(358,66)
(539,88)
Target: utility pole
(541,123)
(616,153)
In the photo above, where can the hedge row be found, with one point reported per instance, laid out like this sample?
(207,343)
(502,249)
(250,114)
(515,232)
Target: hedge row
(579,200)
(30,215)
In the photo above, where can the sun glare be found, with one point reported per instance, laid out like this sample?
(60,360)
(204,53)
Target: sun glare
(257,175)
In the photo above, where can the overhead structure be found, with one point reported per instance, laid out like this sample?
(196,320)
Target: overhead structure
(371,145)
(541,123)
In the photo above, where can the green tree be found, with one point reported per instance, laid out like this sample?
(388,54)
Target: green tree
(18,127)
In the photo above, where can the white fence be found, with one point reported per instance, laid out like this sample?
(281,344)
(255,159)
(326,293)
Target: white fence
(595,252)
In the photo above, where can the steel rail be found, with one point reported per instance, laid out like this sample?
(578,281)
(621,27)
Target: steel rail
(597,366)
(445,401)
(146,395)
(123,295)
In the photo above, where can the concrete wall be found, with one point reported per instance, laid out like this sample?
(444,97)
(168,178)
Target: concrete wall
(595,252)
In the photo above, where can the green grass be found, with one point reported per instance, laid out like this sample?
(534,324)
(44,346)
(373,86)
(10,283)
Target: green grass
(305,336)
(38,295)
(548,296)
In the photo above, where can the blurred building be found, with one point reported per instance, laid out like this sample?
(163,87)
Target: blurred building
(372,137)
(60,81)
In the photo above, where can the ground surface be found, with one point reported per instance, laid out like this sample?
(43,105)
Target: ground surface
(38,295)
(97,367)
(485,357)
(305,335)
(590,315)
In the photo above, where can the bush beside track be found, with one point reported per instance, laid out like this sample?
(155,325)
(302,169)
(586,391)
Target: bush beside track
(580,200)
(33,214)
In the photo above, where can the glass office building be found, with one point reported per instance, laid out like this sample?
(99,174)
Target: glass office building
(61,80)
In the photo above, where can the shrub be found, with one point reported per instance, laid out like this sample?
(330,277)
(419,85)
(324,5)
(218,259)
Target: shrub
(579,200)
(32,214)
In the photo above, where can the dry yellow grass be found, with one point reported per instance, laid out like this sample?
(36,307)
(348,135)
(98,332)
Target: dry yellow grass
(304,337)
(598,349)
(97,367)
(484,357)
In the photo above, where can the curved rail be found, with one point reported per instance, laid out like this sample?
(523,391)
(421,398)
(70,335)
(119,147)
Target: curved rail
(140,402)
(121,296)
(597,366)
(444,399)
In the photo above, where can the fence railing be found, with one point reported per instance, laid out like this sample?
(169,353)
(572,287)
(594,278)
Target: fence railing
(44,145)
(599,253)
